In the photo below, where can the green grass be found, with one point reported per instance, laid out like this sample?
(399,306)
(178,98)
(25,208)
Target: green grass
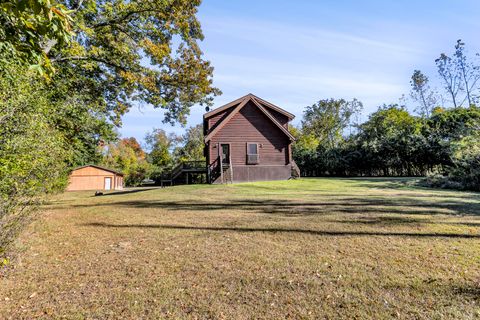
(308,249)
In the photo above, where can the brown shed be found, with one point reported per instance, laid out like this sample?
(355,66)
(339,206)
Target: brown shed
(248,140)
(92,177)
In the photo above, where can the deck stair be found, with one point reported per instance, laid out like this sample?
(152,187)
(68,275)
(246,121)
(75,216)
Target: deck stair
(221,170)
(181,173)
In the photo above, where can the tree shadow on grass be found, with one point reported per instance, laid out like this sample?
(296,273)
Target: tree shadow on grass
(128,191)
(383,220)
(366,205)
(471,291)
(410,184)
(399,220)
(286,230)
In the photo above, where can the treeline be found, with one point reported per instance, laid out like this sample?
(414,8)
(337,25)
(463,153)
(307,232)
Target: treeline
(69,70)
(440,141)
(161,152)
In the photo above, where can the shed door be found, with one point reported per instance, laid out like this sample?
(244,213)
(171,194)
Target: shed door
(108,183)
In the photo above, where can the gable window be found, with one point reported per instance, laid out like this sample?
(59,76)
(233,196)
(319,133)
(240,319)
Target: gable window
(252,153)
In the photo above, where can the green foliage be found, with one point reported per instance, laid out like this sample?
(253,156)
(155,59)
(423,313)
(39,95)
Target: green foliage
(304,151)
(327,120)
(167,150)
(102,47)
(33,153)
(128,157)
(100,57)
(30,29)
(161,146)
(391,138)
(137,51)
(392,142)
(192,145)
(442,143)
(464,173)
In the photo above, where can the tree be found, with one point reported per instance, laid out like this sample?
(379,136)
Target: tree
(128,157)
(30,29)
(304,151)
(33,152)
(445,127)
(136,51)
(450,76)
(466,163)
(101,57)
(133,144)
(459,76)
(85,124)
(392,139)
(422,94)
(192,145)
(161,146)
(327,119)
(469,72)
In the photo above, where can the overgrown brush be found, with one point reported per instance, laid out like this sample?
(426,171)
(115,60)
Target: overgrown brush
(32,153)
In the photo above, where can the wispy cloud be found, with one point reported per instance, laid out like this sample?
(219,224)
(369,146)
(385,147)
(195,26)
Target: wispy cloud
(340,49)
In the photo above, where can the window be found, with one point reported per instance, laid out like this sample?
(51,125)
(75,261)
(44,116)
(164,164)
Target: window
(252,148)
(252,153)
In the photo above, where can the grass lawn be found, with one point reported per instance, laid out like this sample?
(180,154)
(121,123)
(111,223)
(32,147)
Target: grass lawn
(308,249)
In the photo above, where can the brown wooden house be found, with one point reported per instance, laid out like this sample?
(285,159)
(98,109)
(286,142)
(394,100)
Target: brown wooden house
(92,177)
(248,140)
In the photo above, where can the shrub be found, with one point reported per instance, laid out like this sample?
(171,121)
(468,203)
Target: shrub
(32,154)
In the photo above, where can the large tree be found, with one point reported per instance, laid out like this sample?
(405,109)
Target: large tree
(327,120)
(30,29)
(391,139)
(469,74)
(460,76)
(192,145)
(161,145)
(140,51)
(127,156)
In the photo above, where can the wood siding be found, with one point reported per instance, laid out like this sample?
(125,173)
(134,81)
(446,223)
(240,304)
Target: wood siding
(261,173)
(217,119)
(92,178)
(250,125)
(281,118)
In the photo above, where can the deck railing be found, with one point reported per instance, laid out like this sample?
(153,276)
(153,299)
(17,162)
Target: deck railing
(184,166)
(194,164)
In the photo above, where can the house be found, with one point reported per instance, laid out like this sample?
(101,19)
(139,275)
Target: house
(92,177)
(248,140)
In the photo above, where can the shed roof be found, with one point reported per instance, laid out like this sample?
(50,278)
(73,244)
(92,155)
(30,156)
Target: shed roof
(99,167)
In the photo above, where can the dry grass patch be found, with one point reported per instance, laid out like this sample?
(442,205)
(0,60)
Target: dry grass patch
(312,249)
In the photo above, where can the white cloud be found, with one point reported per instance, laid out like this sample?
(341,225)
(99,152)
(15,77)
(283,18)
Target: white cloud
(339,54)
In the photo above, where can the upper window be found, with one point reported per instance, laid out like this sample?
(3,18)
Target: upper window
(252,153)
(252,148)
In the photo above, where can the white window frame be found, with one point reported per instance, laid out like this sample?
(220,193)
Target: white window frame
(253,154)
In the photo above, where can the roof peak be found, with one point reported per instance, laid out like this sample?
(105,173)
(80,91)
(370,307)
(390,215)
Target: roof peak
(249,96)
(261,106)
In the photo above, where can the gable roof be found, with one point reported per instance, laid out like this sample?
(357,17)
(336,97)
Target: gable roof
(275,121)
(99,167)
(241,103)
(249,96)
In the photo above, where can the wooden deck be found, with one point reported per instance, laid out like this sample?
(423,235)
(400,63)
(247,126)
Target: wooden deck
(183,172)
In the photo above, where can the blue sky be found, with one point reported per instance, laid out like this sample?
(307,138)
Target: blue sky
(294,53)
